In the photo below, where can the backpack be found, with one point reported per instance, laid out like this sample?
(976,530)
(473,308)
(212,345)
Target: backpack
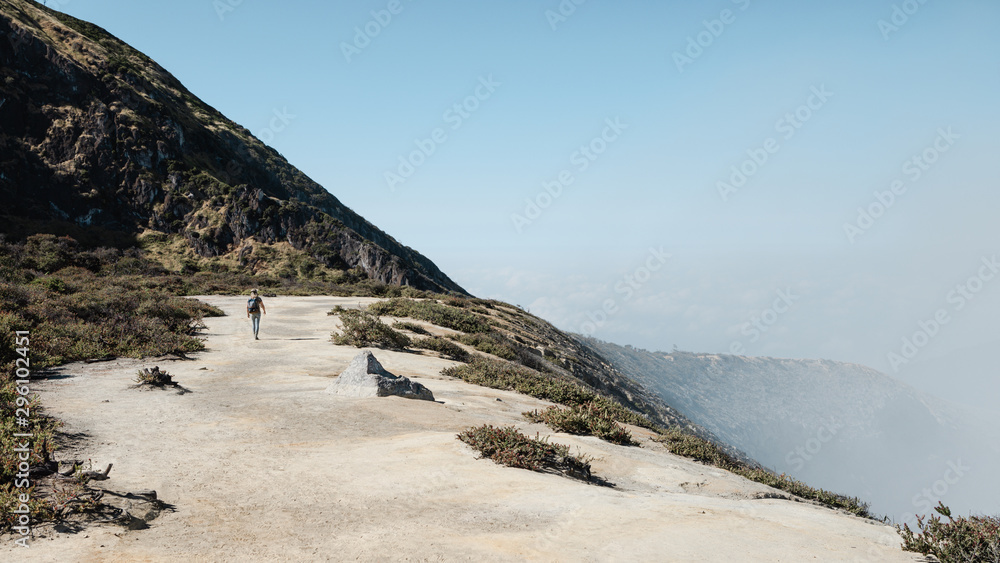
(253,305)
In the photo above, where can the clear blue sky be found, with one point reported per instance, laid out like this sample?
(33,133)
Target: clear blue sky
(656,183)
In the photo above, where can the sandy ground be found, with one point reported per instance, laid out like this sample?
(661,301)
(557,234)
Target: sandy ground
(261,465)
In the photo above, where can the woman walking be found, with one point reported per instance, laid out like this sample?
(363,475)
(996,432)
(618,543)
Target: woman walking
(255,306)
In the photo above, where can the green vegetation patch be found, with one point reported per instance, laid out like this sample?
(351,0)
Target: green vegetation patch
(444,347)
(363,329)
(588,419)
(507,446)
(154,377)
(959,540)
(412,327)
(77,304)
(456,318)
(490,343)
(91,304)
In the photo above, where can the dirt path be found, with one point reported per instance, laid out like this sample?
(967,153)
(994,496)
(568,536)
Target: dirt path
(262,465)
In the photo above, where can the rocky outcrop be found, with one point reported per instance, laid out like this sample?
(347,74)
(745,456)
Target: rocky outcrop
(94,133)
(365,377)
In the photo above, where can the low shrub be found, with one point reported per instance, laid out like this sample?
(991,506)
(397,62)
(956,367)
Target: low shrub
(362,329)
(507,446)
(76,315)
(490,343)
(500,374)
(48,253)
(446,348)
(588,419)
(54,285)
(154,377)
(959,540)
(412,327)
(433,312)
(694,447)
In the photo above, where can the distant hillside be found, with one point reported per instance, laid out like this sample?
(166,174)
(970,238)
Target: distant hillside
(95,134)
(841,426)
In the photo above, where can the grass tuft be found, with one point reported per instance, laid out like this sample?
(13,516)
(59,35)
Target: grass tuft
(489,343)
(588,419)
(507,446)
(412,327)
(448,316)
(363,329)
(959,540)
(154,377)
(446,348)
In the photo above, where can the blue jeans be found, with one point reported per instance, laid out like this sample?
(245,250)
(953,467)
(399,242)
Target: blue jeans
(255,319)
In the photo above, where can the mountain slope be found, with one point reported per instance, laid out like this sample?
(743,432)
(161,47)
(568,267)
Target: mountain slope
(840,426)
(94,133)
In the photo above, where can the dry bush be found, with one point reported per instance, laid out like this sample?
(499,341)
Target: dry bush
(508,446)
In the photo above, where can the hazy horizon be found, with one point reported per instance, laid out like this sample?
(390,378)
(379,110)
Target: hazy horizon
(545,154)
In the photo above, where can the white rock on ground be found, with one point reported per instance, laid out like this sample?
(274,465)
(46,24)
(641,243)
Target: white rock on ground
(365,377)
(260,465)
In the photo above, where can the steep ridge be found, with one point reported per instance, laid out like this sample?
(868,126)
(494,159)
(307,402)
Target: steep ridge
(840,426)
(93,133)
